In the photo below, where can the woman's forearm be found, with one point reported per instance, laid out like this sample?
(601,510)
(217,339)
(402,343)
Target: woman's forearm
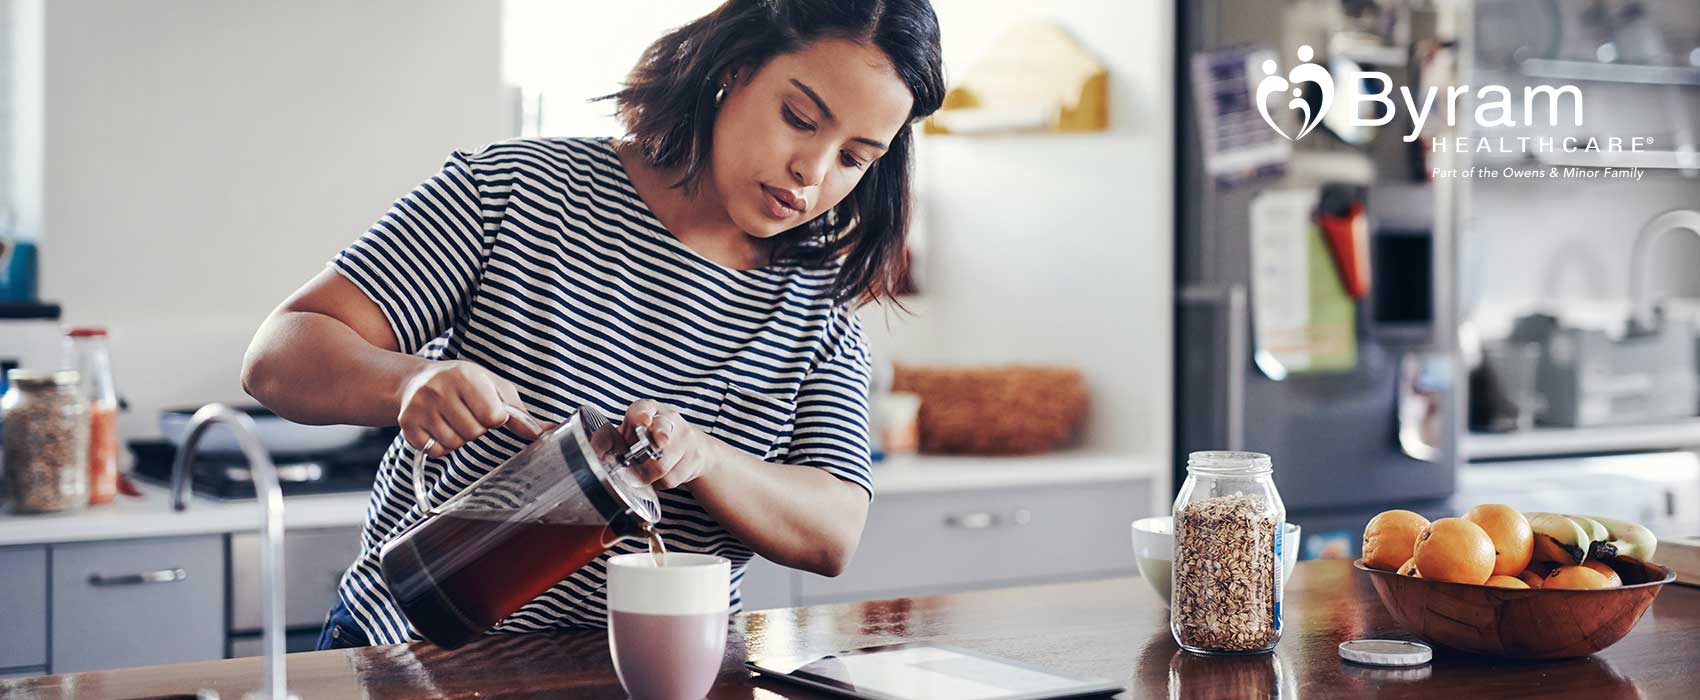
(796,516)
(311,368)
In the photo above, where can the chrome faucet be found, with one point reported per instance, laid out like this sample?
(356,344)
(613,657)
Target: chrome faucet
(1641,317)
(270,495)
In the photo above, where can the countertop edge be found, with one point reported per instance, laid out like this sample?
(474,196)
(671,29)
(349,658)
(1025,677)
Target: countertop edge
(150,515)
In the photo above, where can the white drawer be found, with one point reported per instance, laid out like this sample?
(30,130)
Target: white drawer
(23,607)
(917,543)
(313,562)
(137,602)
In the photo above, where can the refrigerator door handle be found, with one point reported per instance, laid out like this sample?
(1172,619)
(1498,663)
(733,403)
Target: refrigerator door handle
(1231,298)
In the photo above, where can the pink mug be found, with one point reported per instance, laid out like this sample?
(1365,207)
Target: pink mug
(667,624)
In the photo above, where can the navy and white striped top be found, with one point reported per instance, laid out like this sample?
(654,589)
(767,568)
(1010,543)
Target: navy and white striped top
(536,259)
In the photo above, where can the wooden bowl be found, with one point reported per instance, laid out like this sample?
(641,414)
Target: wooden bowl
(1520,623)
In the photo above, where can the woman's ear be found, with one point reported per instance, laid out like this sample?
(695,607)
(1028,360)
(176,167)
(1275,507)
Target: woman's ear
(733,77)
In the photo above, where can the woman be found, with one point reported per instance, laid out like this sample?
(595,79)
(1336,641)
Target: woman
(696,277)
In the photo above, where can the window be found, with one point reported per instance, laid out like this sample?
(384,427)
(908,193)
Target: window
(556,56)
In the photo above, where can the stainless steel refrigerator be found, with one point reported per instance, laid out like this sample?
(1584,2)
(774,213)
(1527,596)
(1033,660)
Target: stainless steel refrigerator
(1352,441)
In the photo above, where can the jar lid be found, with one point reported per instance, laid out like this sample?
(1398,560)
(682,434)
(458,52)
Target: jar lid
(1386,652)
(41,379)
(1229,462)
(87,332)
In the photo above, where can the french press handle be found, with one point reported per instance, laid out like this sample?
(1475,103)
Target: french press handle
(419,457)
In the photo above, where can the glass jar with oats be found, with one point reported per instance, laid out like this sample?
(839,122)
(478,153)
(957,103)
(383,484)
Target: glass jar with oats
(1227,570)
(45,438)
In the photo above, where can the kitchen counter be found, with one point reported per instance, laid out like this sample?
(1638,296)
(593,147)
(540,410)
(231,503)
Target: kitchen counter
(1113,629)
(1543,442)
(928,473)
(150,515)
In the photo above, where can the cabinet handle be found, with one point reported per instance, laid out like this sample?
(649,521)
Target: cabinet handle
(172,575)
(971,521)
(984,520)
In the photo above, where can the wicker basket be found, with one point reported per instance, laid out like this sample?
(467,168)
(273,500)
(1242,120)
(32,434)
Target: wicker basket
(1015,409)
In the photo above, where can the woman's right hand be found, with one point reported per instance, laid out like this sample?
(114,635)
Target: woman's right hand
(453,402)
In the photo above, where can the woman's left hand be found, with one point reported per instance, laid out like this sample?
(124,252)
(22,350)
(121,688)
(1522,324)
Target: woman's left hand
(686,452)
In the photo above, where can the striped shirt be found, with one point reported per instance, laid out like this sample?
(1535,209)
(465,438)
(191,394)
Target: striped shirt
(536,259)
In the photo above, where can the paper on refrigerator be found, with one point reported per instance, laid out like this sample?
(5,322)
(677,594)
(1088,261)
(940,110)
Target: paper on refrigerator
(1302,318)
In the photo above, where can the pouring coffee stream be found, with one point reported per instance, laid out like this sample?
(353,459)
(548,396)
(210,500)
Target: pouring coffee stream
(521,528)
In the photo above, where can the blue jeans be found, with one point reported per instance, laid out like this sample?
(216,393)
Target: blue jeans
(340,632)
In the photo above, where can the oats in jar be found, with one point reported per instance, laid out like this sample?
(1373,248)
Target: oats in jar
(45,441)
(1225,583)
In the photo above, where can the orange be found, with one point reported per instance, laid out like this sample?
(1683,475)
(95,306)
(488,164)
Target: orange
(1391,537)
(1531,577)
(1455,549)
(1576,577)
(1409,568)
(1606,571)
(1513,541)
(1507,582)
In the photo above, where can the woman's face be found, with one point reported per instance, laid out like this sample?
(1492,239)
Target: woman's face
(791,141)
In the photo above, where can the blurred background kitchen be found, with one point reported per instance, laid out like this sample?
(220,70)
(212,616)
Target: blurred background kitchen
(1115,262)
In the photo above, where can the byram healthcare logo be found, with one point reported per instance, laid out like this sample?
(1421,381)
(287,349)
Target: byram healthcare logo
(1494,106)
(1305,72)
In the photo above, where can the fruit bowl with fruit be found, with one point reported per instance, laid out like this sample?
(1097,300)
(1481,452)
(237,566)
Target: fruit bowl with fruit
(1519,585)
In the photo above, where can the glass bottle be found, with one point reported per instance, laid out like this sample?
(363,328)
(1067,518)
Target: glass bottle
(46,441)
(87,350)
(1227,568)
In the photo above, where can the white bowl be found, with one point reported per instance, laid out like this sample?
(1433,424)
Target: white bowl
(276,435)
(1154,551)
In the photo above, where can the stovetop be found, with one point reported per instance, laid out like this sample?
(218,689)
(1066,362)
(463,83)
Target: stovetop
(227,478)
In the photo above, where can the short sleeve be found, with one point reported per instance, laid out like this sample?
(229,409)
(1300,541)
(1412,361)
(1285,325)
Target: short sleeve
(831,426)
(421,262)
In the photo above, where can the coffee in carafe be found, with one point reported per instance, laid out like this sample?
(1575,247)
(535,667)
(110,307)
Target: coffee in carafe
(520,529)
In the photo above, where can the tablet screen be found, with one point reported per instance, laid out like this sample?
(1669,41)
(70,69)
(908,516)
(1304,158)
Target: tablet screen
(933,672)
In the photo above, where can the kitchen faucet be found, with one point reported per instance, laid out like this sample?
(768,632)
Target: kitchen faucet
(270,495)
(1641,318)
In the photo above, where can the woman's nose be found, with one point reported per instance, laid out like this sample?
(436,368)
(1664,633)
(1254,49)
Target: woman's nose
(808,169)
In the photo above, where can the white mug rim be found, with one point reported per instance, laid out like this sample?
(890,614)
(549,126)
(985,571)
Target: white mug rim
(689,561)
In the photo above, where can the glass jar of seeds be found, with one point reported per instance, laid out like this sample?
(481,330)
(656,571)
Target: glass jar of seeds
(1227,567)
(45,441)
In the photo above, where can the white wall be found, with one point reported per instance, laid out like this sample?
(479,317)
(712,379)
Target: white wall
(608,38)
(204,158)
(1057,248)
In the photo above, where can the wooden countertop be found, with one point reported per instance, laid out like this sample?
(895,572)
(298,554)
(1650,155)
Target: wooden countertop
(1113,629)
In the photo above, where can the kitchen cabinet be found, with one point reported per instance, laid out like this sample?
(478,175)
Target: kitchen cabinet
(314,561)
(23,672)
(137,602)
(959,540)
(917,543)
(767,585)
(23,607)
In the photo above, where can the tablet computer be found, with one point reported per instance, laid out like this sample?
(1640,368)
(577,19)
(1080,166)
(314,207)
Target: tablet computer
(926,671)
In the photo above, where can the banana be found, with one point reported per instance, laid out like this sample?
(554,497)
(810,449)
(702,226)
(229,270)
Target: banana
(1594,528)
(1601,548)
(1559,539)
(1629,539)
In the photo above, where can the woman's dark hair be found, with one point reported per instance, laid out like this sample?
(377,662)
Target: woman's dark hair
(668,106)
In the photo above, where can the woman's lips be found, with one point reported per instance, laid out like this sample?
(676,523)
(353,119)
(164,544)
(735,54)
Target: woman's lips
(780,204)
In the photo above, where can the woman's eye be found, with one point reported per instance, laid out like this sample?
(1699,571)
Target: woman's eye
(849,160)
(794,120)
